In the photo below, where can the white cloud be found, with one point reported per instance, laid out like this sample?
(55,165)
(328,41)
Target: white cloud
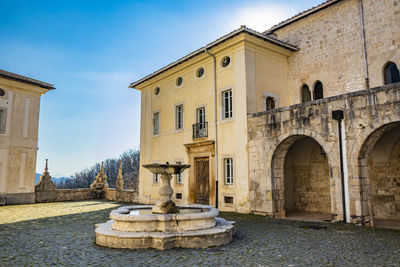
(260,17)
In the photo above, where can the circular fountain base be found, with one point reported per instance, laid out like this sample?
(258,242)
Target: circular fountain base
(136,227)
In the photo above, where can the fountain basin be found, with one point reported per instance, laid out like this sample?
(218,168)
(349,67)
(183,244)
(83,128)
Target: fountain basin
(141,219)
(135,227)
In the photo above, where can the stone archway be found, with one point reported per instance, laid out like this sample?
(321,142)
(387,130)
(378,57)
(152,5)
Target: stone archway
(301,179)
(379,174)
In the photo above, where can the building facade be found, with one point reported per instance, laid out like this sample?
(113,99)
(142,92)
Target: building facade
(19,121)
(257,115)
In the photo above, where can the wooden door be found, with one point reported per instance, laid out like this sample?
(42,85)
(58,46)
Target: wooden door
(202,189)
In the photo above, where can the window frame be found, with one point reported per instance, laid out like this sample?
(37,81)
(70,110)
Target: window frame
(182,113)
(223,97)
(176,82)
(228,162)
(198,114)
(301,93)
(3,120)
(276,98)
(314,90)
(385,68)
(153,122)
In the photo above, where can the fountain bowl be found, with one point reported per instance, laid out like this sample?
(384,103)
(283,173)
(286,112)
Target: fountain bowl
(166,168)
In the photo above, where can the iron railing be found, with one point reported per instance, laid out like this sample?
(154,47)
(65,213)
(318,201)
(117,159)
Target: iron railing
(200,130)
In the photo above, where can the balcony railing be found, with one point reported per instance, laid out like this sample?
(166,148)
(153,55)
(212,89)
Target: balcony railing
(200,130)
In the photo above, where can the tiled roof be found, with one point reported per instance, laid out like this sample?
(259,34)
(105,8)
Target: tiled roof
(20,78)
(242,29)
(301,15)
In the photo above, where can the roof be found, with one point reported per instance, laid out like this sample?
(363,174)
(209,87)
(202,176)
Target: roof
(242,29)
(301,15)
(24,79)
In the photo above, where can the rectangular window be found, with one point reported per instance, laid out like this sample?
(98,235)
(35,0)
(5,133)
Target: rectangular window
(201,115)
(178,117)
(155,178)
(156,123)
(179,176)
(228,170)
(2,120)
(227,104)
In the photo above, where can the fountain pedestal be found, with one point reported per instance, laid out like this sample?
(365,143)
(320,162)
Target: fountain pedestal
(165,205)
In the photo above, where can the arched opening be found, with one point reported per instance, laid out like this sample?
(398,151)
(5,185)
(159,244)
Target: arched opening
(305,93)
(391,73)
(301,178)
(379,162)
(318,91)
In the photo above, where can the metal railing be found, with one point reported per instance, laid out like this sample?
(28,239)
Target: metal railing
(200,130)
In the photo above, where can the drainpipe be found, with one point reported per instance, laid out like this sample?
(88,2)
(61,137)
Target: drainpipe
(338,115)
(360,4)
(215,127)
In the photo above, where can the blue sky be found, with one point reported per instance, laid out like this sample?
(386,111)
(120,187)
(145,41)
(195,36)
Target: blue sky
(92,50)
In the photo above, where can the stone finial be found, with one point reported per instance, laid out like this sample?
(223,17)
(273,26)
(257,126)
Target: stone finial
(45,182)
(119,184)
(100,183)
(104,175)
(46,168)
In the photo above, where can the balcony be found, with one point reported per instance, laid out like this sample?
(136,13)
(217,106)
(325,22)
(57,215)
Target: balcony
(200,130)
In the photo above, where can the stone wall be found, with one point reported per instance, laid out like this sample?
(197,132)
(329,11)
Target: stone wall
(368,114)
(331,46)
(307,183)
(385,180)
(58,195)
(128,196)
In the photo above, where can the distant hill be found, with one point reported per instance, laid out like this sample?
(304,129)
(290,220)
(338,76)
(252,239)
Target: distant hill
(54,179)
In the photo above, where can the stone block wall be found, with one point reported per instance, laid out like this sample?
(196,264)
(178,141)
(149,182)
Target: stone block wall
(126,196)
(367,115)
(57,195)
(385,185)
(331,46)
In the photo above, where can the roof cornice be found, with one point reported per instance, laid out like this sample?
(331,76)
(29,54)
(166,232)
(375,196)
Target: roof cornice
(242,29)
(24,79)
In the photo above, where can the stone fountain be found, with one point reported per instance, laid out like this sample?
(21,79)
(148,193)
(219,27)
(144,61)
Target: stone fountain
(165,225)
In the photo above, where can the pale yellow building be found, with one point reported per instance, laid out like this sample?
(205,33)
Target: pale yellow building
(19,121)
(204,109)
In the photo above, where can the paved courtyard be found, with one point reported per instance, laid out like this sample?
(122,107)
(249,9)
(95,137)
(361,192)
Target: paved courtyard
(63,234)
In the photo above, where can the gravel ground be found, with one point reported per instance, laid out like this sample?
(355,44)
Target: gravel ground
(63,234)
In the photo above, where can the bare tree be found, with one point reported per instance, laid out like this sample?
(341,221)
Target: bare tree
(130,170)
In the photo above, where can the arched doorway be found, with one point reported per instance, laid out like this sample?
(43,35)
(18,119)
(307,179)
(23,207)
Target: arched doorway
(301,179)
(379,160)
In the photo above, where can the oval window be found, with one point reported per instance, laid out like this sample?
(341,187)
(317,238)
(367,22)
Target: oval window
(157,91)
(2,92)
(179,81)
(225,61)
(200,72)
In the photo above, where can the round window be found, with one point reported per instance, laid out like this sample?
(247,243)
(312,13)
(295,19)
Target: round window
(225,61)
(157,91)
(2,92)
(179,81)
(200,72)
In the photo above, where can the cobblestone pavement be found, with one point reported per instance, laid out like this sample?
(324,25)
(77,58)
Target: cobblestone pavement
(47,237)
